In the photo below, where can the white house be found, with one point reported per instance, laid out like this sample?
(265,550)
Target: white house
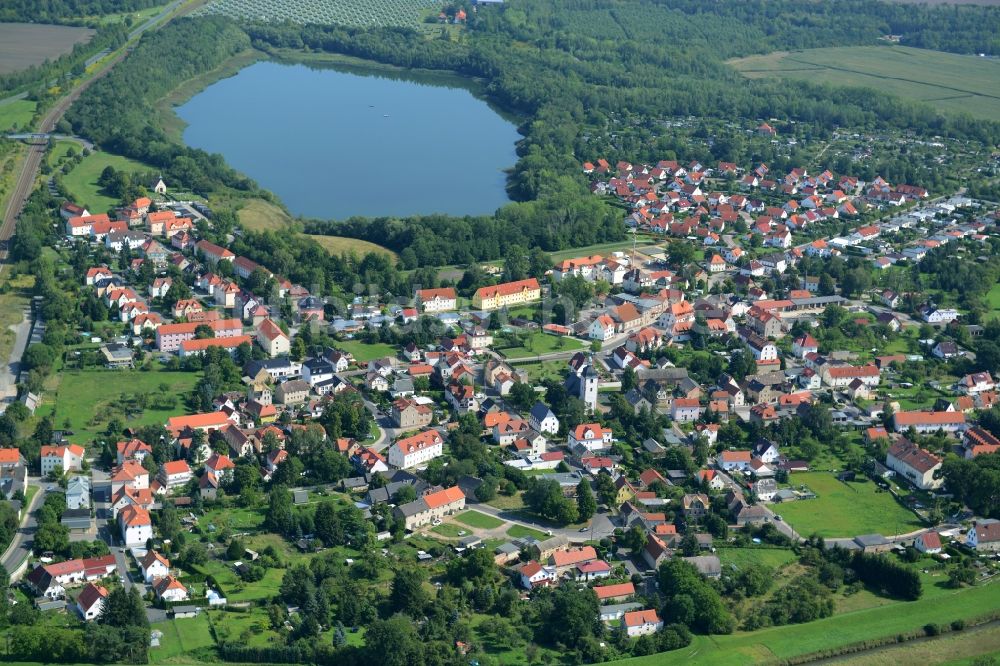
(416,450)
(685,410)
(535,575)
(136,526)
(602,328)
(90,602)
(154,566)
(915,464)
(591,436)
(543,419)
(641,623)
(928,542)
(984,535)
(67,458)
(169,588)
(939,315)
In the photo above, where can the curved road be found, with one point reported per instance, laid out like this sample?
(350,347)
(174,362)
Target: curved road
(21,544)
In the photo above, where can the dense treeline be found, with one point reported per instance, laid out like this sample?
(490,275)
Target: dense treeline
(976,482)
(56,11)
(557,222)
(116,112)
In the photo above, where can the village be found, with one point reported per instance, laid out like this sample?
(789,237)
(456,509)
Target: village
(637,427)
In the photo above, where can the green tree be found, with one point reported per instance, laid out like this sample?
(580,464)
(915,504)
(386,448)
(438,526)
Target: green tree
(586,505)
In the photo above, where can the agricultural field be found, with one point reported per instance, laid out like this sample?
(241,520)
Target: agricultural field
(25,44)
(355,13)
(82,185)
(959,647)
(137,397)
(342,245)
(950,83)
(844,509)
(16,114)
(781,643)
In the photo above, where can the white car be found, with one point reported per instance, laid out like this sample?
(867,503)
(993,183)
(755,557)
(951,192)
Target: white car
(436,522)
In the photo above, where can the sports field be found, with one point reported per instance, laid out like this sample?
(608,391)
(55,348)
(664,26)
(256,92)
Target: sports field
(844,509)
(948,82)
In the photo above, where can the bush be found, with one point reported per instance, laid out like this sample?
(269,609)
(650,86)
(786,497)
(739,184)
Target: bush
(958,625)
(931,630)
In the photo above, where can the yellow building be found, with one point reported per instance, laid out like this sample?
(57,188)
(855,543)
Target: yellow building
(506,294)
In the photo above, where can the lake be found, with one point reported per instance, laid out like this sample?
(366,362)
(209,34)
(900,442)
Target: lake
(333,143)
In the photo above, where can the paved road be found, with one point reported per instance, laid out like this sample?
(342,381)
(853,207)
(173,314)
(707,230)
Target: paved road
(9,372)
(601,525)
(21,545)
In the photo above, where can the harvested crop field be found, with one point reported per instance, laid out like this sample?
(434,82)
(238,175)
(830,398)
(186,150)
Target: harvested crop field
(25,44)
(946,81)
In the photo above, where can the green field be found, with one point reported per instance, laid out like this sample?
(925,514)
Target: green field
(948,82)
(844,509)
(769,557)
(16,114)
(539,343)
(343,245)
(364,352)
(181,637)
(778,643)
(450,530)
(993,300)
(478,520)
(520,531)
(82,185)
(88,409)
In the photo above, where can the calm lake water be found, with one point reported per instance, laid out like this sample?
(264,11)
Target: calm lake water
(335,143)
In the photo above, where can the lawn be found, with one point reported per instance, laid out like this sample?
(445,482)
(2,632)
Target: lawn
(88,410)
(252,629)
(82,185)
(520,531)
(236,519)
(450,530)
(180,637)
(948,82)
(781,643)
(364,352)
(538,372)
(993,300)
(954,648)
(16,114)
(769,557)
(343,245)
(845,509)
(536,344)
(479,520)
